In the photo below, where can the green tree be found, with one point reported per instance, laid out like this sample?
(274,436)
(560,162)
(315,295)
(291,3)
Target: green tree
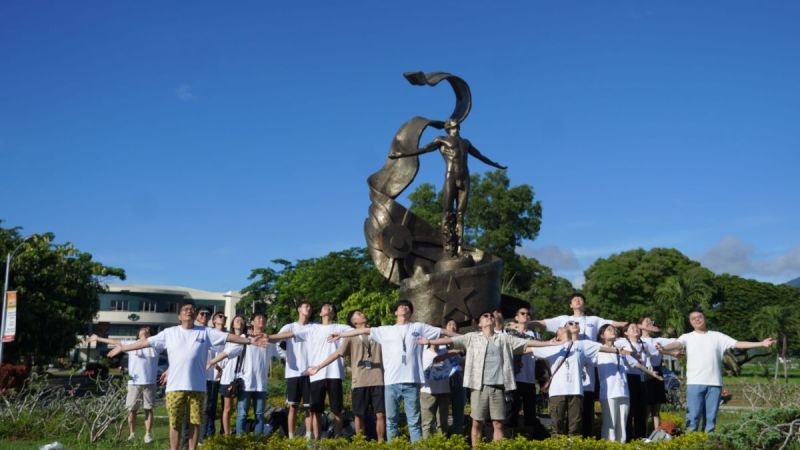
(333,278)
(623,286)
(678,295)
(781,322)
(546,292)
(498,218)
(58,287)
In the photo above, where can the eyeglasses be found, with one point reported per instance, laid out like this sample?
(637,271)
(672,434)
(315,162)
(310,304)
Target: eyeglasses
(204,313)
(489,315)
(572,322)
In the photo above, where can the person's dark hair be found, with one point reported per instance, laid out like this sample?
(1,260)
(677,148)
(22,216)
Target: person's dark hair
(188,302)
(446,321)
(641,319)
(244,325)
(401,303)
(601,331)
(302,302)
(256,314)
(577,294)
(333,307)
(350,316)
(696,309)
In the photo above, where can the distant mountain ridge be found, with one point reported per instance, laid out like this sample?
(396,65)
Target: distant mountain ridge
(794,283)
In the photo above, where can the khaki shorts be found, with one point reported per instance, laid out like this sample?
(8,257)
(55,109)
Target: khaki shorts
(488,404)
(176,407)
(144,394)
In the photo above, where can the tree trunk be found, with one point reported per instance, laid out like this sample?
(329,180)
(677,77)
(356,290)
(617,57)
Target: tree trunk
(785,345)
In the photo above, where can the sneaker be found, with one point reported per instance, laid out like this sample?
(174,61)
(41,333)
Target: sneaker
(147,438)
(131,437)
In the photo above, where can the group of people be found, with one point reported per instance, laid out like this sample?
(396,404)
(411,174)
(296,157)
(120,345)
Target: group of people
(428,370)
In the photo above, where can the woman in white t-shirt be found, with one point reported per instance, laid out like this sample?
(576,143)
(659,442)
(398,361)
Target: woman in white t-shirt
(614,395)
(227,360)
(656,395)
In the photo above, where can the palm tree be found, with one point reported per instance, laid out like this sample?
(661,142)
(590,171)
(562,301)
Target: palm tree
(780,321)
(678,295)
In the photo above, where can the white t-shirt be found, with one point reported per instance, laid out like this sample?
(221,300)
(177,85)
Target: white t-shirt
(391,338)
(318,348)
(704,356)
(233,350)
(611,372)
(589,326)
(255,369)
(640,354)
(187,350)
(296,357)
(437,375)
(142,365)
(655,356)
(527,373)
(568,380)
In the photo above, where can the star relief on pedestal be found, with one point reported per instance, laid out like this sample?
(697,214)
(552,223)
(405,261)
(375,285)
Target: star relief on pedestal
(455,298)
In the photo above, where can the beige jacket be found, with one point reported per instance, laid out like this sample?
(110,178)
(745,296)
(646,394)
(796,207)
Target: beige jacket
(475,344)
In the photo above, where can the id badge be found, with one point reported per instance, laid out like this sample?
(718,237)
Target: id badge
(368,364)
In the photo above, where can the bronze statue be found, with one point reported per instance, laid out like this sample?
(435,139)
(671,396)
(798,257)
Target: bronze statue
(455,192)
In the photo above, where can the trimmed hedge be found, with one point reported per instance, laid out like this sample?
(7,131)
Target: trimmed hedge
(690,441)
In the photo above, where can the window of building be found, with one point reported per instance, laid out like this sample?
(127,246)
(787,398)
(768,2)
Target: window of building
(119,305)
(148,306)
(174,307)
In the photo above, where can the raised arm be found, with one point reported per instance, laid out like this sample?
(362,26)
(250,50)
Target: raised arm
(213,361)
(277,337)
(441,341)
(314,369)
(96,338)
(550,343)
(474,152)
(648,372)
(426,149)
(141,343)
(353,332)
(677,345)
(260,341)
(619,324)
(744,345)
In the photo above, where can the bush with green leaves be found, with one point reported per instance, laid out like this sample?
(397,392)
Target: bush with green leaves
(690,441)
(777,428)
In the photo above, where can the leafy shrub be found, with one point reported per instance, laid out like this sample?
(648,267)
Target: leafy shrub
(690,441)
(765,429)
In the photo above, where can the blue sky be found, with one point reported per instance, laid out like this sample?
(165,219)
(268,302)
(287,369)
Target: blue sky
(189,142)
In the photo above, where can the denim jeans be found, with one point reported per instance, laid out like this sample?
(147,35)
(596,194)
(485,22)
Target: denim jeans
(259,399)
(409,394)
(701,398)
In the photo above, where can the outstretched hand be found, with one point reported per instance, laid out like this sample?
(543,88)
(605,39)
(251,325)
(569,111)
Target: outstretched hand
(92,338)
(768,342)
(114,351)
(423,340)
(261,340)
(334,337)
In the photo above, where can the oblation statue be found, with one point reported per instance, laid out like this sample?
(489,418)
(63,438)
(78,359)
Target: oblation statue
(455,191)
(436,271)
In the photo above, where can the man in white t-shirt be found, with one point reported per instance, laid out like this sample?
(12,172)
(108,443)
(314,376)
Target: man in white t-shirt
(589,326)
(187,349)
(402,364)
(704,350)
(142,370)
(327,380)
(524,397)
(298,386)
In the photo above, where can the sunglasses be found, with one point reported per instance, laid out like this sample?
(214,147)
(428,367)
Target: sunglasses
(204,313)
(572,322)
(489,315)
(524,314)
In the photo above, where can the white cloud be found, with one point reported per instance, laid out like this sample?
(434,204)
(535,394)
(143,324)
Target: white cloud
(734,256)
(184,92)
(553,257)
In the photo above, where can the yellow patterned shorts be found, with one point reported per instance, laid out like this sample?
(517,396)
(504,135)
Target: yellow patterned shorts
(176,407)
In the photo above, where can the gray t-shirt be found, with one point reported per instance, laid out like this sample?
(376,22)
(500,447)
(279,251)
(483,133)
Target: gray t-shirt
(493,364)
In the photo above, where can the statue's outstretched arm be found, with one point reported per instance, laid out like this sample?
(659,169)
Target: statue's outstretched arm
(474,152)
(426,149)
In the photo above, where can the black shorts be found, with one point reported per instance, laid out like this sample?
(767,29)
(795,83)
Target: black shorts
(655,389)
(224,392)
(363,397)
(332,387)
(298,389)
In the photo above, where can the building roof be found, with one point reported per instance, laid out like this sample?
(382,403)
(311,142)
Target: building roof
(190,293)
